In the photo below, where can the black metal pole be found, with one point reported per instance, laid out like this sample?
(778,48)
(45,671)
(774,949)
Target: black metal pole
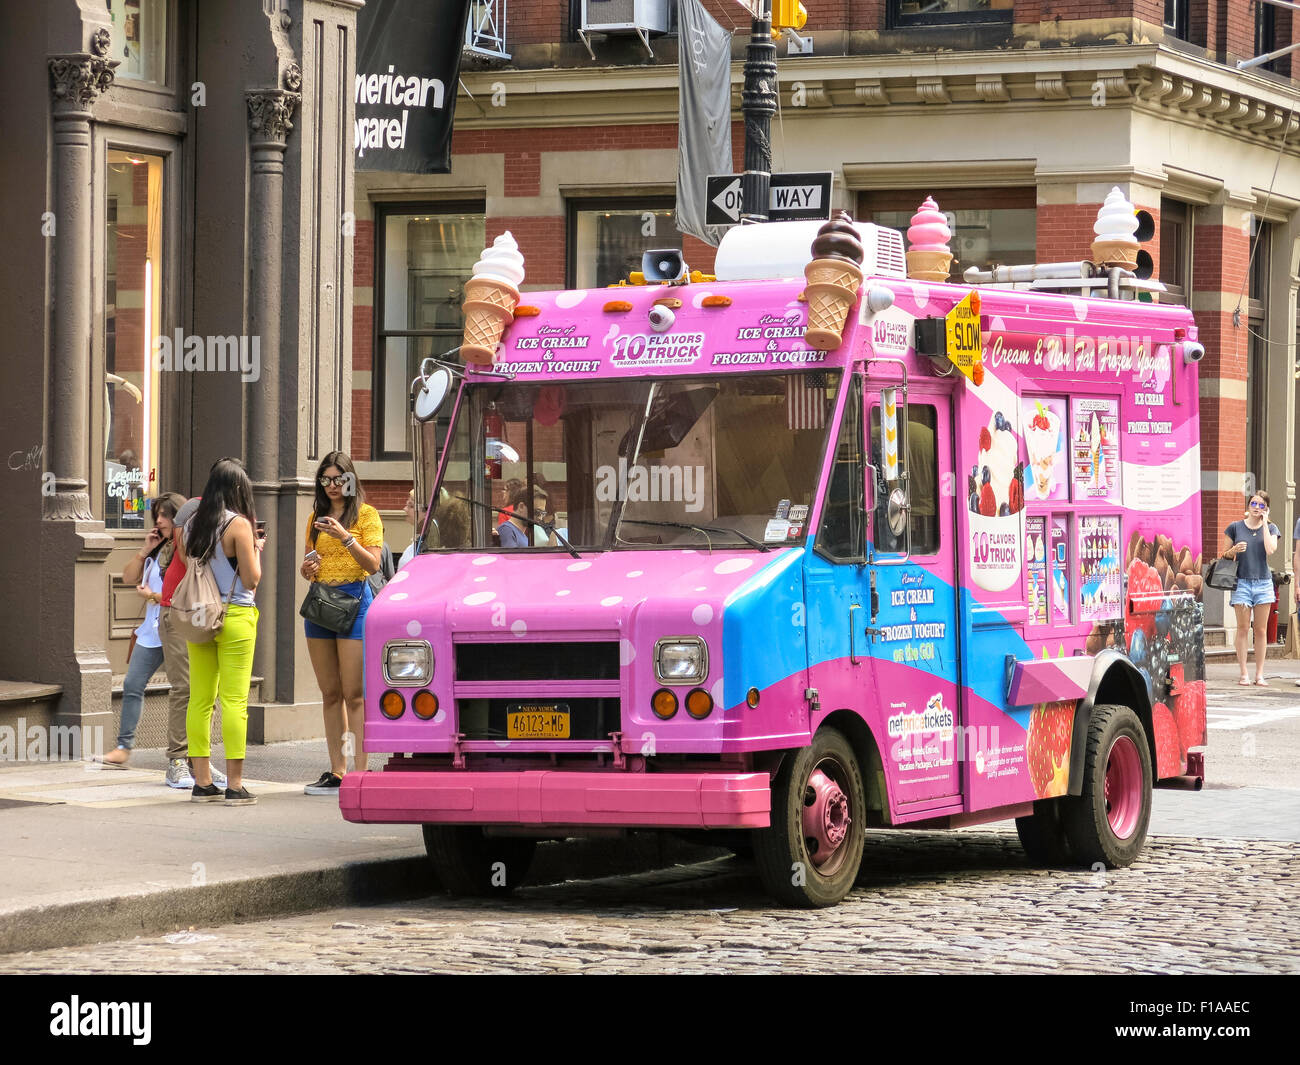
(758,104)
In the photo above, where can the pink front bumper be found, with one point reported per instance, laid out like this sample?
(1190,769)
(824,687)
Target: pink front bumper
(555,797)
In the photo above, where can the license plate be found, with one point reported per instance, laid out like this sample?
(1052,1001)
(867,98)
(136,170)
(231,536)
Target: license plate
(537,721)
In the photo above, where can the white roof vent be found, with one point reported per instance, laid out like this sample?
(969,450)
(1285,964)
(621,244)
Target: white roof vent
(767,251)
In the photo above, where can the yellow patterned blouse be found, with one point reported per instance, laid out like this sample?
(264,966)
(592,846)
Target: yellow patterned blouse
(337,566)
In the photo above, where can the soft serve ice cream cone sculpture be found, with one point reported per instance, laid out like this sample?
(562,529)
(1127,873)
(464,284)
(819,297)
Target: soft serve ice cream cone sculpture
(491,296)
(928,254)
(834,277)
(1116,223)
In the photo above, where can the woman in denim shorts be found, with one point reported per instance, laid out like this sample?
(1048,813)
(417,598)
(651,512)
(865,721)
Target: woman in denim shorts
(1250,541)
(342,546)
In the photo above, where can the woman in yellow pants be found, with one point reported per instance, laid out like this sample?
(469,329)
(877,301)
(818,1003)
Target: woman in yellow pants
(223,533)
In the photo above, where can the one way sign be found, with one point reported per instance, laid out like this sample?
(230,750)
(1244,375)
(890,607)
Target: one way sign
(792,196)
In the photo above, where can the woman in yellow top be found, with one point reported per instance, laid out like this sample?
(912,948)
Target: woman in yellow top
(343,543)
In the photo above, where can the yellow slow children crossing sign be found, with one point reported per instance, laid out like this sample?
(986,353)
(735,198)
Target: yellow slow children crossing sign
(965,342)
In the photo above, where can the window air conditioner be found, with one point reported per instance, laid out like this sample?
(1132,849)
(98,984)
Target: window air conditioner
(641,17)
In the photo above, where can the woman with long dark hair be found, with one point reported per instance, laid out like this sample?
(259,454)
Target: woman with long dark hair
(147,651)
(223,534)
(344,540)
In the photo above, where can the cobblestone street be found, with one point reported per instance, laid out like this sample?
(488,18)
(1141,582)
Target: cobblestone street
(928,903)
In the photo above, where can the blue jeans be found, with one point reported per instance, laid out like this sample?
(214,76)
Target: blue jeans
(144,664)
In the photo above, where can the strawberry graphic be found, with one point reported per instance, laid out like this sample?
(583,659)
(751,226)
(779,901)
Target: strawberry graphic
(1143,583)
(1040,419)
(1189,710)
(986,439)
(1048,748)
(988,505)
(1016,490)
(1169,750)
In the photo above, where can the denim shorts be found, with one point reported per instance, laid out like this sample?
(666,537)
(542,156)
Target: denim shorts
(319,632)
(1253,593)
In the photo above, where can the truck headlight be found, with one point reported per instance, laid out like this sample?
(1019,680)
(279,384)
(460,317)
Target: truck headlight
(681,660)
(408,663)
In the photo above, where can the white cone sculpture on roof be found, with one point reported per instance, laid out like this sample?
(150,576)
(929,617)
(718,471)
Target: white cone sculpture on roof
(1116,223)
(491,296)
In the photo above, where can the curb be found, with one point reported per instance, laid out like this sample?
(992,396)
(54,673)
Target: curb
(256,898)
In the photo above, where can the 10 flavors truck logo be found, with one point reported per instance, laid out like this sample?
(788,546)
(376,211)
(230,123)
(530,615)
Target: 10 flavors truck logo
(996,489)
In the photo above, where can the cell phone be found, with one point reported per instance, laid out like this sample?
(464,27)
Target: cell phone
(321,524)
(261,527)
(311,556)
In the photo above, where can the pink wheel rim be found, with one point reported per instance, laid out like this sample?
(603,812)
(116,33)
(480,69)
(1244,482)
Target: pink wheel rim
(1123,787)
(826,818)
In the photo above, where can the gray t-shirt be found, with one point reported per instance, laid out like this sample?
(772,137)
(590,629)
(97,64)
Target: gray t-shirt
(1252,564)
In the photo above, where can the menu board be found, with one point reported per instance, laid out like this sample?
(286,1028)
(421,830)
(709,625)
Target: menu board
(1046,436)
(1036,568)
(1094,450)
(1100,587)
(1060,569)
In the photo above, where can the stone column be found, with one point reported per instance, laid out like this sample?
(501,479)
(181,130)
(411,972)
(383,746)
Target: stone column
(73,547)
(1279,471)
(270,121)
(75,81)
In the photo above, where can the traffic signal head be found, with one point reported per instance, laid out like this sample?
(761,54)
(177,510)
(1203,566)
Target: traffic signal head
(787,15)
(1145,231)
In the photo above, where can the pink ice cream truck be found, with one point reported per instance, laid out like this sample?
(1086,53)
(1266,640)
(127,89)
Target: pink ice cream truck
(684,569)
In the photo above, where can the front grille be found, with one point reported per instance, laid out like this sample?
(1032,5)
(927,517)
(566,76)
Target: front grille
(589,719)
(521,660)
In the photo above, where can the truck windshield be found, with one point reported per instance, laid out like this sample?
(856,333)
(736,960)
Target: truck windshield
(615,465)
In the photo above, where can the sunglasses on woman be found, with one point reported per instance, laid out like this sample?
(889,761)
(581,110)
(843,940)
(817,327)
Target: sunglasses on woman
(1258,506)
(336,482)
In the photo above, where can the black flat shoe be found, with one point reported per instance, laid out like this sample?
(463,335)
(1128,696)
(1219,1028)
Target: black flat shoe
(211,793)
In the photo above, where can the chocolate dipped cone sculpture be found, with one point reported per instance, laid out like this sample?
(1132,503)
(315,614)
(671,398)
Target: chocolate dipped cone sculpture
(491,296)
(834,277)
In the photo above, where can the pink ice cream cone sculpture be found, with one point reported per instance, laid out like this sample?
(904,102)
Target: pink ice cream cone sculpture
(834,277)
(1116,223)
(491,296)
(928,254)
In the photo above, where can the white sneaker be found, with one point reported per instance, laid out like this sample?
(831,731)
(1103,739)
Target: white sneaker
(219,778)
(178,774)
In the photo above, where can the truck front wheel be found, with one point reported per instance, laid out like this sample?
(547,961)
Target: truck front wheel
(810,854)
(1107,823)
(470,863)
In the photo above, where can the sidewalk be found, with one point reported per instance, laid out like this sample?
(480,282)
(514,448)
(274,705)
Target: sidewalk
(89,854)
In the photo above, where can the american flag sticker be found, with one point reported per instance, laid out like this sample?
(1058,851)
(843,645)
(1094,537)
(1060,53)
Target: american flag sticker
(805,401)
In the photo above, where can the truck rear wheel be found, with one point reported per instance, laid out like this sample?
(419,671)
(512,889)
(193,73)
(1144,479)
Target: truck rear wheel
(470,863)
(810,854)
(1043,834)
(1107,823)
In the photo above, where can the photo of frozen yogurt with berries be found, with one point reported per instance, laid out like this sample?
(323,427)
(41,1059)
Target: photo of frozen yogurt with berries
(996,482)
(1045,446)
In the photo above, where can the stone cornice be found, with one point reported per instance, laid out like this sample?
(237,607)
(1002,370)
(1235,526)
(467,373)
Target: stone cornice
(1146,78)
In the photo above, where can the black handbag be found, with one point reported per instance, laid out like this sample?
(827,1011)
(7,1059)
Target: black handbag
(1223,574)
(330,608)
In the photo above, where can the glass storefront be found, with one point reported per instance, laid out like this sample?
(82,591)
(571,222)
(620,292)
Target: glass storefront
(426,259)
(132,320)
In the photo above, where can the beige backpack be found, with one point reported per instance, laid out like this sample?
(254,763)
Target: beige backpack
(198,609)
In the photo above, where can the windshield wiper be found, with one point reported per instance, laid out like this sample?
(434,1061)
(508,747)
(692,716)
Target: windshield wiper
(531,521)
(706,529)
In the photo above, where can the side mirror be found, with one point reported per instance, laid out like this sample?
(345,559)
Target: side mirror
(431,393)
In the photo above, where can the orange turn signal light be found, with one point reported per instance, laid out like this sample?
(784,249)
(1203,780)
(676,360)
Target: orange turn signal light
(392,704)
(975,304)
(699,704)
(527,311)
(751,698)
(617,307)
(664,703)
(425,704)
(716,301)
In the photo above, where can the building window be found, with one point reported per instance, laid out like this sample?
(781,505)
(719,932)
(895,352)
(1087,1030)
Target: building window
(904,13)
(606,240)
(1266,35)
(424,260)
(1176,220)
(139,38)
(1176,18)
(988,225)
(485,29)
(133,286)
